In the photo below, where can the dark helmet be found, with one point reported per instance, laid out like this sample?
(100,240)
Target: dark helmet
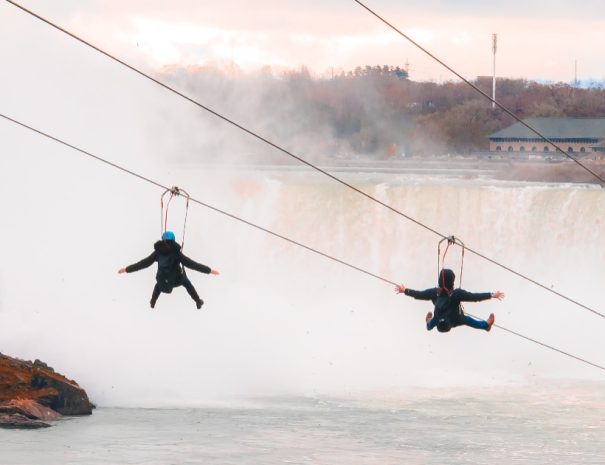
(446,279)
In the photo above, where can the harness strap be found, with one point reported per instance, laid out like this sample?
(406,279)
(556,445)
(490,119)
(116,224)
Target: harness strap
(174,192)
(451,240)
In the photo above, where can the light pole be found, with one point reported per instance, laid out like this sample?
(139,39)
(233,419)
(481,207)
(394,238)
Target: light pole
(494,48)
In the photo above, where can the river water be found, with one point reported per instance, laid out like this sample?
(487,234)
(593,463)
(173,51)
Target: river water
(529,426)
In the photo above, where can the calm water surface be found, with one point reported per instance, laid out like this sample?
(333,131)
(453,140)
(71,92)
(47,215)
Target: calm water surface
(568,428)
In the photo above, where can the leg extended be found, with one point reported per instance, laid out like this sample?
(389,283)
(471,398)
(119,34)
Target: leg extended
(154,295)
(192,292)
(478,324)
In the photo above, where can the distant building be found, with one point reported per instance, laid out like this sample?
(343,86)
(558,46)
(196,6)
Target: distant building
(578,136)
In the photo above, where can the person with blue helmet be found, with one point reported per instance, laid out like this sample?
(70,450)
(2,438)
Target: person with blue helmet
(447,302)
(171,260)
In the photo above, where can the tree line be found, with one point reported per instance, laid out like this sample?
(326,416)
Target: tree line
(377,111)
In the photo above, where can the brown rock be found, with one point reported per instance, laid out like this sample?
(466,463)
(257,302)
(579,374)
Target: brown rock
(32,389)
(60,394)
(30,409)
(18,421)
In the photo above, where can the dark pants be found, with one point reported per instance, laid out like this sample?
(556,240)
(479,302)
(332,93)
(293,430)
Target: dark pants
(186,284)
(465,320)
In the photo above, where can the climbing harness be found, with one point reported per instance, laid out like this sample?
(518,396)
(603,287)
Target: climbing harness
(451,240)
(444,324)
(174,192)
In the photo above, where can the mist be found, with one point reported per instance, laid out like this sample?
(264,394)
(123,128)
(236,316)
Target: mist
(278,320)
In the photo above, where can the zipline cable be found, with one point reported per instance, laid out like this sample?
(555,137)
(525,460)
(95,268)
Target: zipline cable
(535,341)
(241,220)
(302,160)
(165,188)
(502,107)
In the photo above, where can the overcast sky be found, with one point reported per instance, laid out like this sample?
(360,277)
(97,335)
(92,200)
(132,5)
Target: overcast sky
(534,40)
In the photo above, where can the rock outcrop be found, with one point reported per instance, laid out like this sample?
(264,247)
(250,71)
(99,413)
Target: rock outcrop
(32,393)
(18,421)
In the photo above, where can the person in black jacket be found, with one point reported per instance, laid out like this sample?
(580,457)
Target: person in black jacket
(170,273)
(447,302)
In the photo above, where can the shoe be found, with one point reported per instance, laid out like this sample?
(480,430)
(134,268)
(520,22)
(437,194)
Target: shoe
(491,319)
(429,317)
(199,303)
(152,303)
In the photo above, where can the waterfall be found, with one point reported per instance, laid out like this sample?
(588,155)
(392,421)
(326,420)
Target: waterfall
(280,320)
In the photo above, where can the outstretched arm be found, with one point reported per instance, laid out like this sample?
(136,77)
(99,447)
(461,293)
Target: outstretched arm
(466,296)
(186,261)
(146,262)
(427,294)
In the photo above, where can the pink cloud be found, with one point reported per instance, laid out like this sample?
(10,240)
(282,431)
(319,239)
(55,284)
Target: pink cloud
(339,34)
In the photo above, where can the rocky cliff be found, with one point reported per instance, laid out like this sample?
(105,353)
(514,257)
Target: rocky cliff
(32,393)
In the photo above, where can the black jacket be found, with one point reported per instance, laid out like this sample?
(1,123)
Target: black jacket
(170,258)
(448,307)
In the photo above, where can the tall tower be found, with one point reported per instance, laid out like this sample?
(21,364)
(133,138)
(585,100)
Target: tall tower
(575,74)
(494,49)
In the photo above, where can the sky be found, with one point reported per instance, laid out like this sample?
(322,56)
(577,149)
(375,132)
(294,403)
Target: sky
(534,41)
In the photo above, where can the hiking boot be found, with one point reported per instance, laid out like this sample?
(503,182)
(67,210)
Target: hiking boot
(199,303)
(429,317)
(490,321)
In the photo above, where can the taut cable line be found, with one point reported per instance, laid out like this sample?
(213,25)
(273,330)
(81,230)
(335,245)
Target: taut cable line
(234,217)
(166,188)
(302,160)
(498,104)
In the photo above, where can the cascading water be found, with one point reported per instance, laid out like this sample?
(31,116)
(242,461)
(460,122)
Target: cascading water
(279,319)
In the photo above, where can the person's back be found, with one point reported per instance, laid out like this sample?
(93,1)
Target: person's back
(447,303)
(446,310)
(168,256)
(170,259)
(448,306)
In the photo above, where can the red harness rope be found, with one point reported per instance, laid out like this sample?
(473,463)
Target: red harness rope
(174,192)
(451,240)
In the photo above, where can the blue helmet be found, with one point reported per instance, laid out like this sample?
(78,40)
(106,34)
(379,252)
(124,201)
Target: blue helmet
(168,236)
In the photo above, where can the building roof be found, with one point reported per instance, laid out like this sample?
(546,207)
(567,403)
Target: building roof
(555,128)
